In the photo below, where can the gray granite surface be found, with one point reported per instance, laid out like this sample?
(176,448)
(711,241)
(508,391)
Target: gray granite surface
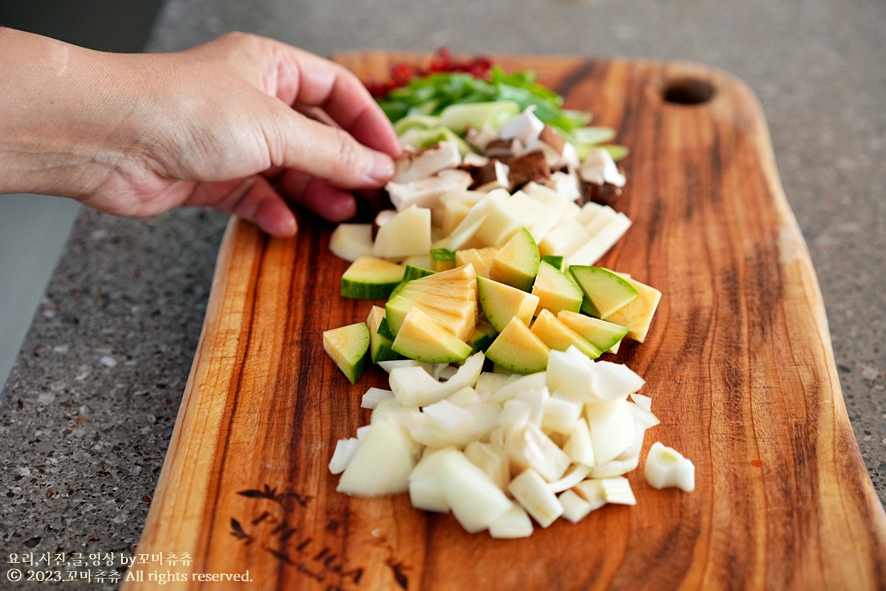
(86,414)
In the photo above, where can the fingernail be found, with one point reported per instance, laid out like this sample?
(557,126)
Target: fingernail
(381,168)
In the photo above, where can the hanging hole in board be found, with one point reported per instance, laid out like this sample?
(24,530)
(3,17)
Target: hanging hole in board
(688,91)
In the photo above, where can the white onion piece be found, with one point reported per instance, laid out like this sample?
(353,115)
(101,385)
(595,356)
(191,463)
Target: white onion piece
(489,382)
(382,462)
(447,372)
(633,450)
(644,402)
(467,396)
(614,380)
(575,508)
(472,496)
(570,479)
(514,385)
(561,413)
(344,451)
(570,375)
(614,468)
(618,491)
(666,467)
(391,364)
(579,447)
(492,460)
(423,433)
(536,400)
(515,414)
(533,494)
(592,492)
(612,429)
(644,417)
(425,487)
(513,523)
(372,397)
(414,387)
(529,447)
(486,416)
(437,369)
(389,406)
(448,417)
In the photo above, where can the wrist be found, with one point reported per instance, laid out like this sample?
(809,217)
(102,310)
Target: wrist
(63,130)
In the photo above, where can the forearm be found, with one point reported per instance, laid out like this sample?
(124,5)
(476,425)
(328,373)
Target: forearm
(139,134)
(64,115)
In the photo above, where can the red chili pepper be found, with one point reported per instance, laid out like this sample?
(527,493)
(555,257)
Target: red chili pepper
(403,73)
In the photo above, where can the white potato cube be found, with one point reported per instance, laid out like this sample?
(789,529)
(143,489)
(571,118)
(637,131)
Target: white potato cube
(507,218)
(406,234)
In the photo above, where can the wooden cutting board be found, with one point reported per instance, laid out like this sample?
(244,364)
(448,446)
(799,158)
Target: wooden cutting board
(738,362)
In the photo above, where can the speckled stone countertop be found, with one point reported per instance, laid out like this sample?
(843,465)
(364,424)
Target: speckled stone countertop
(86,415)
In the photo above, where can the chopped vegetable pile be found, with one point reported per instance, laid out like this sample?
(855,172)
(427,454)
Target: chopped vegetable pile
(500,408)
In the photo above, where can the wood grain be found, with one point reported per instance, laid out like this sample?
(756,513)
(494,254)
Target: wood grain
(738,362)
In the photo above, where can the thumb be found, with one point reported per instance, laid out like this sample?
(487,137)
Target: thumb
(325,152)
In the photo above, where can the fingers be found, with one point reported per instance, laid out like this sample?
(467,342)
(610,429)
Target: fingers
(321,197)
(307,79)
(253,199)
(295,141)
(356,154)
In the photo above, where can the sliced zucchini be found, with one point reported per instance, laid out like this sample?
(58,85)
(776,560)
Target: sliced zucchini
(421,338)
(413,272)
(556,335)
(555,290)
(348,346)
(370,278)
(379,345)
(483,336)
(602,334)
(554,260)
(605,292)
(516,263)
(517,349)
(502,302)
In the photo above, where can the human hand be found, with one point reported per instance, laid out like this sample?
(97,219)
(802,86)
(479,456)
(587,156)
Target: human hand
(214,126)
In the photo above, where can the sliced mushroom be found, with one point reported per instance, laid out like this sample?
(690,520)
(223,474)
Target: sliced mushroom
(528,167)
(553,138)
(558,152)
(426,192)
(424,163)
(502,148)
(492,176)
